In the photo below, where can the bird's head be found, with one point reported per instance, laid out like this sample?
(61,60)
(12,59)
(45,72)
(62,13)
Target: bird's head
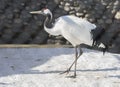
(45,11)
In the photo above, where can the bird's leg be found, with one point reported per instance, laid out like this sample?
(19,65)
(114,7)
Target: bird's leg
(76,58)
(68,70)
(80,53)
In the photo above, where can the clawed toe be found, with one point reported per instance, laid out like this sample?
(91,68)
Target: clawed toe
(67,71)
(74,76)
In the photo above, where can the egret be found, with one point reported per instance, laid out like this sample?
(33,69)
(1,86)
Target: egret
(76,30)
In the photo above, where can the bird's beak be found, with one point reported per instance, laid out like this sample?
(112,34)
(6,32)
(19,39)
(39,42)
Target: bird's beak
(36,12)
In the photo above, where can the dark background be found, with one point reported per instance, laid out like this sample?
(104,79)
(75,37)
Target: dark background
(18,26)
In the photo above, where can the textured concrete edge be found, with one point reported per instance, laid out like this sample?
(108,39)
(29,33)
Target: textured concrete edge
(33,46)
(49,46)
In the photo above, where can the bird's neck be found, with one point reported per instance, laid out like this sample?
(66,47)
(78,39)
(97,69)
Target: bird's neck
(48,22)
(48,25)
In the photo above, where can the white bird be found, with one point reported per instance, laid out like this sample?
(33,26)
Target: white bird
(76,30)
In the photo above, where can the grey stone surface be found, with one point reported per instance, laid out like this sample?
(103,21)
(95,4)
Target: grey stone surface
(20,27)
(117,15)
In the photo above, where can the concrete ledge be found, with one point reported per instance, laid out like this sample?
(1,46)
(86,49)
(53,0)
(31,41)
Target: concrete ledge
(32,46)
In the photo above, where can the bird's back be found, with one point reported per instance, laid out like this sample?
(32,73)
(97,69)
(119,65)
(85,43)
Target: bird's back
(79,21)
(76,30)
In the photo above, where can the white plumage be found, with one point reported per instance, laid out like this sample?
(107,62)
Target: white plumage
(75,30)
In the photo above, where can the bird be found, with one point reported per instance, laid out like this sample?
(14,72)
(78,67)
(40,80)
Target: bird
(74,29)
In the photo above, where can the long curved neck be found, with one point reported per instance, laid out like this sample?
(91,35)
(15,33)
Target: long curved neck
(48,22)
(48,25)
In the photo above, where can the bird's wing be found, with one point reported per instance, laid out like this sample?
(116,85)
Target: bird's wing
(81,22)
(76,30)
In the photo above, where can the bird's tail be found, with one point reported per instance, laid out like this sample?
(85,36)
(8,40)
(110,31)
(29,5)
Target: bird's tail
(105,49)
(96,36)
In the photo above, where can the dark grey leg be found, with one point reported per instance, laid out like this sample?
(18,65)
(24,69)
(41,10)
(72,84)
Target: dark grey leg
(76,57)
(75,62)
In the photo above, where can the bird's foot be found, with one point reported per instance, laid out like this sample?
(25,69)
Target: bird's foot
(73,76)
(67,71)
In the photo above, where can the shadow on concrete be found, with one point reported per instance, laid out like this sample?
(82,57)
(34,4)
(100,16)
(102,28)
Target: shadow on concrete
(21,60)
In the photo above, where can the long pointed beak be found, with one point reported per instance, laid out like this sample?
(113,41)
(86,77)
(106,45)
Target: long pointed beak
(36,12)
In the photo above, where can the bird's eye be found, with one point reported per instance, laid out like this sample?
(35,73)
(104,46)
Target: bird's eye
(44,8)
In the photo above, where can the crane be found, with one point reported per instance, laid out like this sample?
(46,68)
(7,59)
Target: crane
(76,30)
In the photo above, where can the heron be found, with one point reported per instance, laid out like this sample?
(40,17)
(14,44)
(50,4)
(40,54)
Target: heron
(74,29)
